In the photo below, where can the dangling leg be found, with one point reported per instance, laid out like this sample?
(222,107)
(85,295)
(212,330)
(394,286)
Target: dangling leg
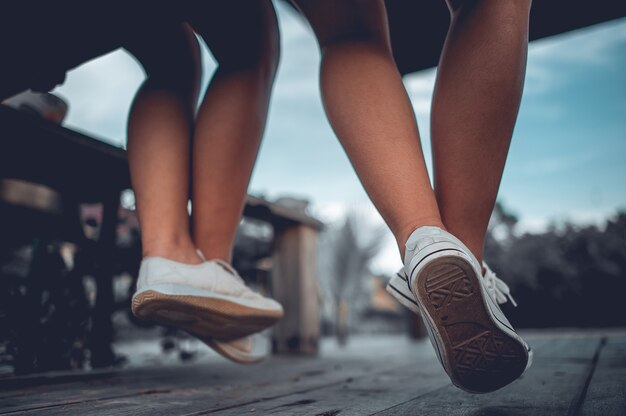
(243,37)
(159,131)
(370,112)
(475,104)
(206,299)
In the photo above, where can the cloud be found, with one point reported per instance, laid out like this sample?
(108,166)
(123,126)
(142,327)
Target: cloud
(550,59)
(330,212)
(588,46)
(100,93)
(550,165)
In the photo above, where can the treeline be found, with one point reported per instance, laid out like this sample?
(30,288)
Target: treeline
(567,276)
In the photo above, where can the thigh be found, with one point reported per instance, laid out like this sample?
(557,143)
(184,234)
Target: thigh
(165,48)
(236,31)
(334,21)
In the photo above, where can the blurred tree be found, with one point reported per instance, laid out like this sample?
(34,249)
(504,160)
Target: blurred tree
(566,276)
(347,253)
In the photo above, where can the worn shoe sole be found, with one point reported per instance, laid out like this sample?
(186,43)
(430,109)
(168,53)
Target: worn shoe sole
(204,317)
(478,355)
(233,353)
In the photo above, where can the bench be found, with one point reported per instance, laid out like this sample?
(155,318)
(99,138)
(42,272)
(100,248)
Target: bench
(72,168)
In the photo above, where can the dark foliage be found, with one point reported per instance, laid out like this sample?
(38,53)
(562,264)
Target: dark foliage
(564,277)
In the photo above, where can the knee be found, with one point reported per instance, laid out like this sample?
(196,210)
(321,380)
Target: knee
(355,43)
(358,36)
(173,63)
(259,55)
(259,59)
(179,73)
(516,9)
(351,53)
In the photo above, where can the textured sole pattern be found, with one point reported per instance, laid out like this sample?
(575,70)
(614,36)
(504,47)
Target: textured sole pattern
(479,356)
(201,316)
(446,284)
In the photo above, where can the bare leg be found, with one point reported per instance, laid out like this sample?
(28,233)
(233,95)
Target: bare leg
(243,37)
(475,105)
(370,112)
(159,131)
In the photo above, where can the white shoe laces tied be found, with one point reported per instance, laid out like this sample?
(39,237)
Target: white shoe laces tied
(498,290)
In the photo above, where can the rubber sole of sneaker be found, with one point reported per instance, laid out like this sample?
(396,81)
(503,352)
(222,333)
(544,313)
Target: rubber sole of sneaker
(201,316)
(478,356)
(232,353)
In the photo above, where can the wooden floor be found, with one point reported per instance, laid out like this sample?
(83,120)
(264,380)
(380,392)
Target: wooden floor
(574,373)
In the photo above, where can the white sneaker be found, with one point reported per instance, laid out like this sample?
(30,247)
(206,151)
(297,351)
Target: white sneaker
(475,343)
(208,300)
(399,288)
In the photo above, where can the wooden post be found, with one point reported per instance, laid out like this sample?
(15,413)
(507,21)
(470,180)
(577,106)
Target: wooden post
(294,285)
(102,354)
(416,327)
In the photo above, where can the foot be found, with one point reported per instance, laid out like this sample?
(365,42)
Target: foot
(498,290)
(208,300)
(474,341)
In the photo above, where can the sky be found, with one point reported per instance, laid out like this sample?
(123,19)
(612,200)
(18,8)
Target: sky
(567,158)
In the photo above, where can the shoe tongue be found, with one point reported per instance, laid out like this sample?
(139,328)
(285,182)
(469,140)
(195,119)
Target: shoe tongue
(420,233)
(200,254)
(419,238)
(229,269)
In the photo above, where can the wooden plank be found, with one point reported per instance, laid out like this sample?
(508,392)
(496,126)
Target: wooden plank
(287,375)
(207,397)
(294,285)
(214,386)
(373,392)
(379,391)
(548,388)
(384,376)
(606,393)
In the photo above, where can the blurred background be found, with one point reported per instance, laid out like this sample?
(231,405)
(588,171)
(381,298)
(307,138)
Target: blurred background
(565,164)
(557,236)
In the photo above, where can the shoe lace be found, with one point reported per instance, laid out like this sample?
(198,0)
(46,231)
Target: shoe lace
(230,270)
(498,290)
(224,265)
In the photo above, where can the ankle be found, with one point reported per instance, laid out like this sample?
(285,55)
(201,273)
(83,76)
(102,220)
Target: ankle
(475,245)
(405,231)
(180,252)
(216,254)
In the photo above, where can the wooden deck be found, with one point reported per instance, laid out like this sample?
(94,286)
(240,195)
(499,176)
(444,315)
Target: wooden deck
(574,373)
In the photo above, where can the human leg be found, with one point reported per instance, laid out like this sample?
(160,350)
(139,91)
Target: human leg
(475,343)
(176,287)
(476,99)
(159,130)
(370,112)
(475,104)
(243,37)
